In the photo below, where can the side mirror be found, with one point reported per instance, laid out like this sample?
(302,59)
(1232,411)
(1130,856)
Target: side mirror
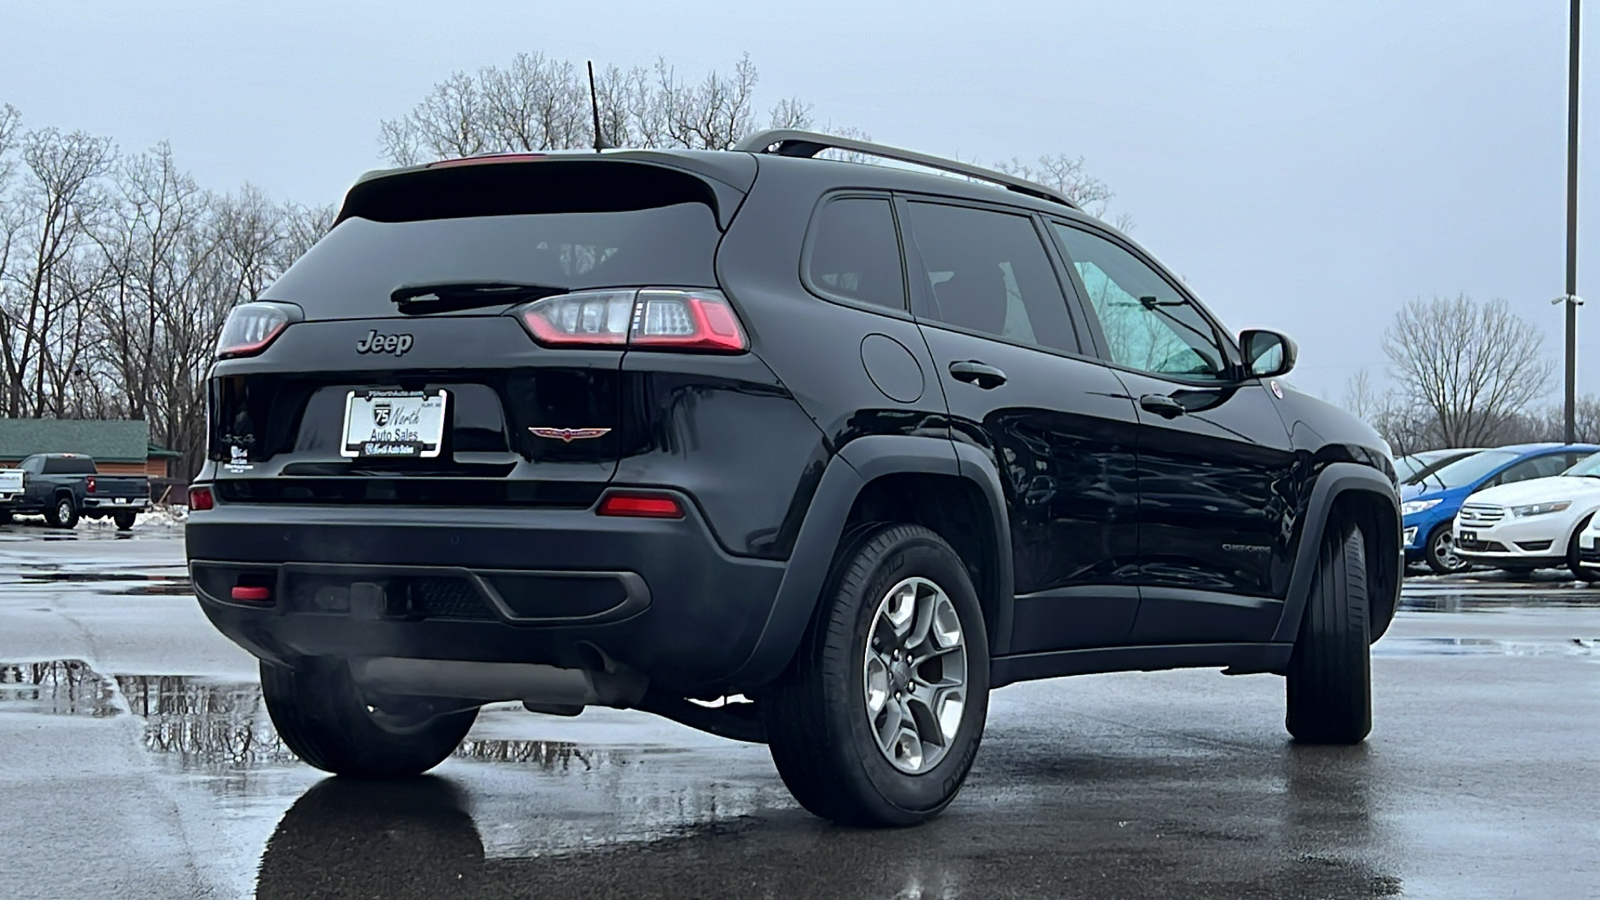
(1267,354)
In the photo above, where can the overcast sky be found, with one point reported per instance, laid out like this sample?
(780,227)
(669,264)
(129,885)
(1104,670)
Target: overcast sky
(1305,166)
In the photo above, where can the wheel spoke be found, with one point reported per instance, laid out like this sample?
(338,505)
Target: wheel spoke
(908,745)
(889,724)
(877,683)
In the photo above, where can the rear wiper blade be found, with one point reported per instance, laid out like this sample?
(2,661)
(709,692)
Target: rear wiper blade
(447,296)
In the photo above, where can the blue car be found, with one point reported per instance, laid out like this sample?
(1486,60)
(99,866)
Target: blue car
(1430,504)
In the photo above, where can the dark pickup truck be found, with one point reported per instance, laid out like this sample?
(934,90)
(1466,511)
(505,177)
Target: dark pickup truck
(65,487)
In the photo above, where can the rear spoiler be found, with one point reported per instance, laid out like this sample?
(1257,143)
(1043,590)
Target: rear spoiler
(519,184)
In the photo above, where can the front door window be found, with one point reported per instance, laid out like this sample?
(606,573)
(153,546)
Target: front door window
(1148,325)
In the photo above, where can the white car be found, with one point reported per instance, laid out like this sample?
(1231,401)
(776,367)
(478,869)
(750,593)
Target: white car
(1589,548)
(1531,524)
(10,489)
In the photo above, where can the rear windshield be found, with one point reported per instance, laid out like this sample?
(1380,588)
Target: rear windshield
(68,465)
(353,270)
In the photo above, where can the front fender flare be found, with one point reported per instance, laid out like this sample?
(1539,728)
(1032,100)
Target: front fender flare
(1336,480)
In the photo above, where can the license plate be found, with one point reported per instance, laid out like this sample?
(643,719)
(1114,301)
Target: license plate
(393,424)
(1469,536)
(120,500)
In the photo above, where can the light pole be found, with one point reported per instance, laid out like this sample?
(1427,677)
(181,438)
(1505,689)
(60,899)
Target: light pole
(1570,299)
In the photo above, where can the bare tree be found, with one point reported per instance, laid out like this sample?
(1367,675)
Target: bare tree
(538,103)
(58,202)
(1471,366)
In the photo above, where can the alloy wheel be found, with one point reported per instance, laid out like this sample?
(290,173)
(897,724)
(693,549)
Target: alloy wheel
(1444,550)
(915,683)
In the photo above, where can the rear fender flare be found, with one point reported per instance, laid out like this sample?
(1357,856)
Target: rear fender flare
(1334,481)
(810,565)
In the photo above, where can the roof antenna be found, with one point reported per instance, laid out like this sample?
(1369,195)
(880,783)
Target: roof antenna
(594,104)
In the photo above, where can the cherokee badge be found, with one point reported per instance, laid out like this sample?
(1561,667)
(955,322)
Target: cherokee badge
(568,435)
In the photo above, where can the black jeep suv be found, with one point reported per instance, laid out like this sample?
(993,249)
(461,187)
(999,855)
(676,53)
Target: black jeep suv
(842,446)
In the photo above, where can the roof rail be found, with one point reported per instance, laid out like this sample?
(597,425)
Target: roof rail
(806,144)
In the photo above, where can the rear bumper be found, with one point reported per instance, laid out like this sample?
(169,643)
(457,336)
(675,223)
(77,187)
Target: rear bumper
(110,504)
(547,586)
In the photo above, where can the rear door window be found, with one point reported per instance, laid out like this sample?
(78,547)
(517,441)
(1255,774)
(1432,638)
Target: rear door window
(854,254)
(988,271)
(1538,467)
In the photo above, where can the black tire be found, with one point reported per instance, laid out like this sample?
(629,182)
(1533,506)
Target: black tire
(124,519)
(817,714)
(5,517)
(1330,673)
(62,512)
(1578,570)
(1438,556)
(322,717)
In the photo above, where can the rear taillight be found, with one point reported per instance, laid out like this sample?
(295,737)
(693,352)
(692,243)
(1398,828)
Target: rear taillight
(640,504)
(88,484)
(200,498)
(253,326)
(698,320)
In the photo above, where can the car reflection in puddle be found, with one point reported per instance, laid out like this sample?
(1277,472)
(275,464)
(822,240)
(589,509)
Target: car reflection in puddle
(220,732)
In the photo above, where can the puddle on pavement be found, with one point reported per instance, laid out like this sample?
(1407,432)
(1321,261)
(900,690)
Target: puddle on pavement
(59,687)
(209,724)
(169,583)
(1448,646)
(219,732)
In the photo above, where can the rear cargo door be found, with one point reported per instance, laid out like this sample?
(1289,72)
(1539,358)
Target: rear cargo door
(412,377)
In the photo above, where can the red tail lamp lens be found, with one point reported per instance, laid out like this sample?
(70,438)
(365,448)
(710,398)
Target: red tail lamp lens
(200,498)
(641,506)
(89,484)
(250,327)
(688,321)
(252,593)
(698,320)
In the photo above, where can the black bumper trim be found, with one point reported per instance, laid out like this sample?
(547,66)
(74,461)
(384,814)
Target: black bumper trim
(635,594)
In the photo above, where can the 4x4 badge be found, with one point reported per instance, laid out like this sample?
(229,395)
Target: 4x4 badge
(568,435)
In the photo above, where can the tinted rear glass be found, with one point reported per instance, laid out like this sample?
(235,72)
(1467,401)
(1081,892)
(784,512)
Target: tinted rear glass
(855,253)
(76,465)
(353,270)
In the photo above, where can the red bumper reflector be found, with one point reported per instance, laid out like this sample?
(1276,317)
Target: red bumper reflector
(644,506)
(252,593)
(200,498)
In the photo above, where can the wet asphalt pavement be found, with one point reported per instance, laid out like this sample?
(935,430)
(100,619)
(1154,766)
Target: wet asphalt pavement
(136,760)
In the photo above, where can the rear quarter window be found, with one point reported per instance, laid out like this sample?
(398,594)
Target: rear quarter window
(854,253)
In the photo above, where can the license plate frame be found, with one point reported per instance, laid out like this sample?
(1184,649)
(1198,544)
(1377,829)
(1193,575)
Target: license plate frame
(390,423)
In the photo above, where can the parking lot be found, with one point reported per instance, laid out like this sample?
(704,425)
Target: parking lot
(138,761)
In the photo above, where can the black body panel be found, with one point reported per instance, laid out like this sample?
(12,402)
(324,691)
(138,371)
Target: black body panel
(1102,537)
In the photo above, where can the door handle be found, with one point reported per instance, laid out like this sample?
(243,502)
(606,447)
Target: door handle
(972,371)
(1162,405)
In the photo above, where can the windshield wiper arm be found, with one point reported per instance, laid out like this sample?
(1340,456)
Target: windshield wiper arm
(448,296)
